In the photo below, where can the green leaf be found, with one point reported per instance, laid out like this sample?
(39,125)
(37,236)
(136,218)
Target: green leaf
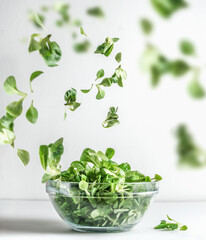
(70,95)
(95,213)
(89,155)
(57,149)
(37,19)
(7,121)
(125,167)
(106,82)
(15,108)
(178,68)
(10,87)
(187,47)
(43,154)
(101,93)
(83,185)
(170,226)
(189,153)
(157,177)
(63,10)
(110,153)
(106,47)
(77,23)
(95,12)
(118,57)
(34,45)
(46,177)
(78,165)
(166,8)
(87,90)
(102,156)
(32,114)
(100,74)
(183,228)
(112,118)
(70,98)
(196,90)
(82,31)
(33,76)
(82,47)
(169,218)
(6,136)
(115,39)
(146,26)
(50,51)
(23,155)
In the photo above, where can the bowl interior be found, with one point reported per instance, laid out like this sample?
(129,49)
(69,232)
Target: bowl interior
(101,207)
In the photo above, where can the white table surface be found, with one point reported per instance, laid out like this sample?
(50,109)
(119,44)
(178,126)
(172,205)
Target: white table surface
(38,220)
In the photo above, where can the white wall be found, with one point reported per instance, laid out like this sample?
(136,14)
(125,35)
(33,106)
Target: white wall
(148,117)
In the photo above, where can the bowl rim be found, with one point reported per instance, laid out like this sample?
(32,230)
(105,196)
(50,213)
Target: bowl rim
(149,192)
(97,183)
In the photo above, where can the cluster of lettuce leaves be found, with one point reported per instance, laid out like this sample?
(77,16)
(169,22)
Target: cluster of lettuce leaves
(65,19)
(171,225)
(101,194)
(117,78)
(13,111)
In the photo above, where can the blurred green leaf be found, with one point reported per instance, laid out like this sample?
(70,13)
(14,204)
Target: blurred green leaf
(63,10)
(82,47)
(195,89)
(146,26)
(37,19)
(189,153)
(178,68)
(166,8)
(95,12)
(187,47)
(118,57)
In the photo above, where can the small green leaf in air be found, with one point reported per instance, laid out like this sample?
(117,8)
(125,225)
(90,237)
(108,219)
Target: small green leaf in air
(23,155)
(112,118)
(32,114)
(100,74)
(95,12)
(10,87)
(146,26)
(187,47)
(118,57)
(101,93)
(33,76)
(15,108)
(87,90)
(82,31)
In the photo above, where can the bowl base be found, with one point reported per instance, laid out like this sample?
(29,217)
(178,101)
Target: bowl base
(102,229)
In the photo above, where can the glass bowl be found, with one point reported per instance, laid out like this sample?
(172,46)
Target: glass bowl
(103,207)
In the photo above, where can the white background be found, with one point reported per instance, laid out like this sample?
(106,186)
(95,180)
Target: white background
(145,137)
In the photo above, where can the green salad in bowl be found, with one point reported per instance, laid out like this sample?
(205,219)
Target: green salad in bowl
(96,194)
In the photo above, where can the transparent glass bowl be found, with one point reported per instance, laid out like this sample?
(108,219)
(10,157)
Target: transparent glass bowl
(105,207)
